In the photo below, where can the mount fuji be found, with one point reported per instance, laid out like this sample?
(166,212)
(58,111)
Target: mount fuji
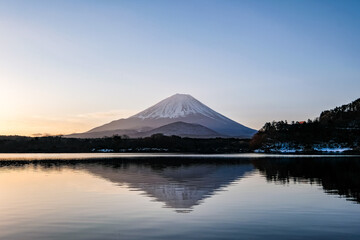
(180,114)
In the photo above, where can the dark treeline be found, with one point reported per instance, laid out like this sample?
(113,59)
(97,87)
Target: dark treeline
(339,125)
(155,143)
(336,175)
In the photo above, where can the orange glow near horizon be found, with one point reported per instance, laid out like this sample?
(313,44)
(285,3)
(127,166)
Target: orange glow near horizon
(33,126)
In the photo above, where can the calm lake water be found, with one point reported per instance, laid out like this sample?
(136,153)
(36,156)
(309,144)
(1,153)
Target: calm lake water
(149,196)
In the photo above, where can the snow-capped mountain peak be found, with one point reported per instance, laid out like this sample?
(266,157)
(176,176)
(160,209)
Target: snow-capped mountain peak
(177,106)
(163,115)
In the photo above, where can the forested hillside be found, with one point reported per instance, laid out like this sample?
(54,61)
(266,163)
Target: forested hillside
(338,128)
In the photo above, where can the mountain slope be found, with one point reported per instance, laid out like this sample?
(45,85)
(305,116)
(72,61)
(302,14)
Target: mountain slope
(178,108)
(181,129)
(108,133)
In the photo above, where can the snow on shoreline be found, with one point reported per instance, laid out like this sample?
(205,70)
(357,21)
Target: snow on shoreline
(333,150)
(293,148)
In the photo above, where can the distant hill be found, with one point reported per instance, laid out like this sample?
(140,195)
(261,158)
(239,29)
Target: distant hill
(346,116)
(338,128)
(180,129)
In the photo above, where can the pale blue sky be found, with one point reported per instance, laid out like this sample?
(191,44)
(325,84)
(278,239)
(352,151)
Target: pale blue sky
(67,66)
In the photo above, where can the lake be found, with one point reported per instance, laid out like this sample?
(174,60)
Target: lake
(172,196)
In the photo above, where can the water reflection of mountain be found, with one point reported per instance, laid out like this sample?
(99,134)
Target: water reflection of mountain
(182,183)
(178,186)
(339,176)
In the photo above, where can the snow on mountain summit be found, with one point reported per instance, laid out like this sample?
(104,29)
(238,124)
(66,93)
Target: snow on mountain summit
(175,106)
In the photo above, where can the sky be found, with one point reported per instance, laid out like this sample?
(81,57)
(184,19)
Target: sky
(69,66)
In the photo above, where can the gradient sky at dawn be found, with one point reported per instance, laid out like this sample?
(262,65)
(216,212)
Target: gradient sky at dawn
(68,66)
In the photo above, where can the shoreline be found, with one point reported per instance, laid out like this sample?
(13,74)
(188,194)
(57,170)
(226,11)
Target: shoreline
(129,156)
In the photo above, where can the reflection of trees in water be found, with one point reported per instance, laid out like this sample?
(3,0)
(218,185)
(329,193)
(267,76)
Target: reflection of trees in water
(336,175)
